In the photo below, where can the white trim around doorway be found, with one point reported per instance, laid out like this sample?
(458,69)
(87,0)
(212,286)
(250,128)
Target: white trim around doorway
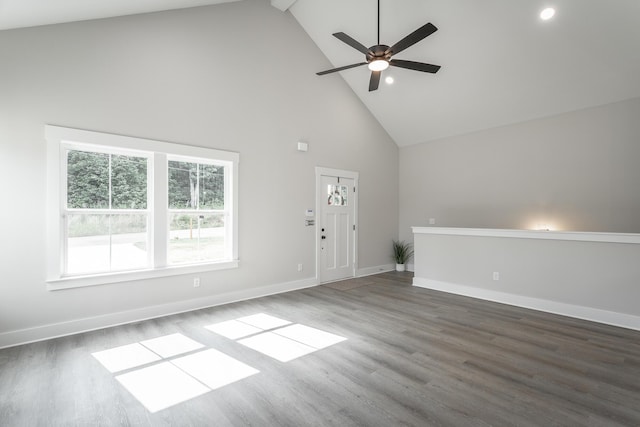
(324,171)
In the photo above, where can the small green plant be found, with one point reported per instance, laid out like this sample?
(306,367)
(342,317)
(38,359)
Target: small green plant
(402,252)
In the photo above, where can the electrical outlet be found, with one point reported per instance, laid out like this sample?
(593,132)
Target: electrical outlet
(196,282)
(300,267)
(496,275)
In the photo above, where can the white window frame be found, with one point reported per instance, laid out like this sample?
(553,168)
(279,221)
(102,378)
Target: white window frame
(60,139)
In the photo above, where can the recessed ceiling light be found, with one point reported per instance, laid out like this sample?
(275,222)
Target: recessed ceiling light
(547,13)
(389,80)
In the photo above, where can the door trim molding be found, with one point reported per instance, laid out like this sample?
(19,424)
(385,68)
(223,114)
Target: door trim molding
(324,171)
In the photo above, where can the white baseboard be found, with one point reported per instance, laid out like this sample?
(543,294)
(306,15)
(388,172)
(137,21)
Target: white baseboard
(368,271)
(55,330)
(580,312)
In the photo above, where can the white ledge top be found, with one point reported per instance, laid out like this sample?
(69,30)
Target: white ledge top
(582,236)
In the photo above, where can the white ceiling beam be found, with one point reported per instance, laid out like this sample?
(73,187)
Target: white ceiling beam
(283,5)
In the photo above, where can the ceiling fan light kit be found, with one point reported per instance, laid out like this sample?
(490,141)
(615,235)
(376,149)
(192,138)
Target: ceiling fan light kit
(378,57)
(378,65)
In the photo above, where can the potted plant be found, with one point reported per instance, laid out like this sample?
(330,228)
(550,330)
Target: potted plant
(402,252)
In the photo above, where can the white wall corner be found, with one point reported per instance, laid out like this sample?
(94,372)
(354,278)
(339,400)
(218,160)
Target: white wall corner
(56,330)
(576,311)
(283,5)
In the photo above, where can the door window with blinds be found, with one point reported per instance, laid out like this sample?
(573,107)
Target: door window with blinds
(337,195)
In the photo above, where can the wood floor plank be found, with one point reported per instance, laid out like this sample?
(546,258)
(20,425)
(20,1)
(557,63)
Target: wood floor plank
(412,357)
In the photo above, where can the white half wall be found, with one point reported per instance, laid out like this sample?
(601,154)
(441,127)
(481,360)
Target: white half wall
(593,276)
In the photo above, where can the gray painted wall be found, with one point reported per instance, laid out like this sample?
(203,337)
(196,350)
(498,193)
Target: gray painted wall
(576,171)
(237,77)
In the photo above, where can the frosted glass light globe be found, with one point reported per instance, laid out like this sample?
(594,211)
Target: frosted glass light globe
(378,65)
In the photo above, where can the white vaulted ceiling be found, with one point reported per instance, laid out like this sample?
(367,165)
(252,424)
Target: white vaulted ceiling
(500,63)
(30,13)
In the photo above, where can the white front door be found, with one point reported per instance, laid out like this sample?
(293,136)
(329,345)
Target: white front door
(337,200)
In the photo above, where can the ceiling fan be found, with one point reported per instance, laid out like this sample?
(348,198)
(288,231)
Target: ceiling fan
(378,57)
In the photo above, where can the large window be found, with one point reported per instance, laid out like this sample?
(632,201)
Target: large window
(124,208)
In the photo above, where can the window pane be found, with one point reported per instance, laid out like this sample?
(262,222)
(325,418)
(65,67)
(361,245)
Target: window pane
(196,238)
(128,182)
(195,186)
(211,187)
(337,195)
(87,180)
(182,185)
(128,241)
(87,243)
(99,243)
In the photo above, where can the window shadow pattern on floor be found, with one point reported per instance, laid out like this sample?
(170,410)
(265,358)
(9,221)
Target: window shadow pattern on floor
(171,369)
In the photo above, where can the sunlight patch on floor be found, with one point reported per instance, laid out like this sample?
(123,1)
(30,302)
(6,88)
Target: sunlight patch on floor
(214,368)
(160,386)
(174,379)
(125,357)
(171,345)
(276,346)
(168,370)
(309,336)
(275,337)
(233,329)
(264,321)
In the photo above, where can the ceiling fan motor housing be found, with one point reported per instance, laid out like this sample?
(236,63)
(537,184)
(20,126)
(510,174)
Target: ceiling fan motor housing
(378,52)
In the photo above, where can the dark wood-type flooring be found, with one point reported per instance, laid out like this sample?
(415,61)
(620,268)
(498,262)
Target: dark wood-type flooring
(412,357)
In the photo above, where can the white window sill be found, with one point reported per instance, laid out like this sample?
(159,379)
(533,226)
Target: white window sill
(128,276)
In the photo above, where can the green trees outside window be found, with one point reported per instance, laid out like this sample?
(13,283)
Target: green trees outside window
(106,181)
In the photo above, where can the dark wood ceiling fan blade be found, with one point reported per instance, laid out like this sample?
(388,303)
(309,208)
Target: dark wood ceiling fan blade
(374,82)
(346,67)
(351,42)
(413,38)
(412,65)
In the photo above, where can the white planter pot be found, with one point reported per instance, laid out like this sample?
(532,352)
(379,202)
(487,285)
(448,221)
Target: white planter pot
(399,267)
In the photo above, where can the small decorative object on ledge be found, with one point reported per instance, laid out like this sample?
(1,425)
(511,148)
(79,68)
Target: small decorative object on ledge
(402,252)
